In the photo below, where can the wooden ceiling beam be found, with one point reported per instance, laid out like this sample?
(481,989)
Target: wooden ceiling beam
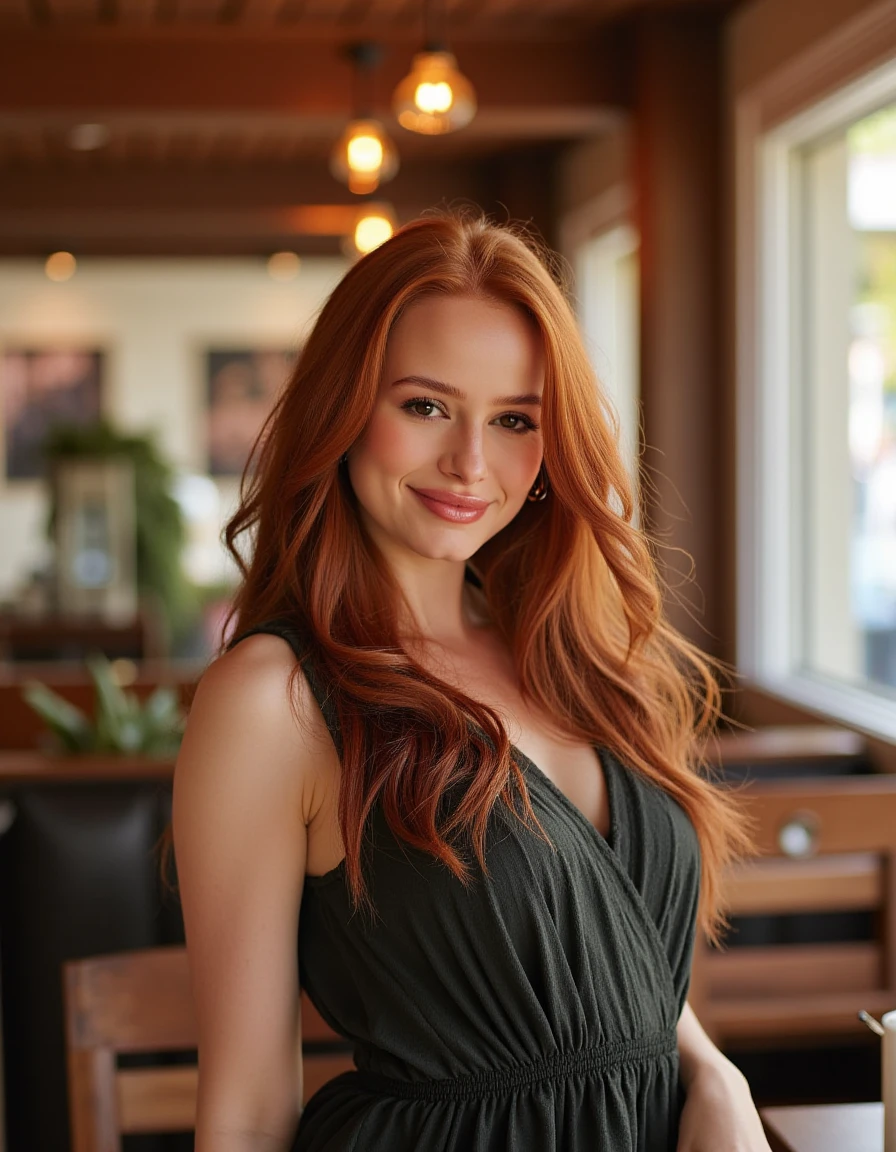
(55,187)
(151,209)
(188,68)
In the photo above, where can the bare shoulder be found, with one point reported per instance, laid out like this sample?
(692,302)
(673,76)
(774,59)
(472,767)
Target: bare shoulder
(241,792)
(251,718)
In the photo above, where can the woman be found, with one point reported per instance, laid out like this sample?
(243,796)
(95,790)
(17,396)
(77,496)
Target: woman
(455,732)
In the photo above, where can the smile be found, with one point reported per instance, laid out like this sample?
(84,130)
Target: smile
(450,511)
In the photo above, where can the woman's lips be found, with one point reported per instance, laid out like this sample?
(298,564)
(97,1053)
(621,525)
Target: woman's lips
(451,511)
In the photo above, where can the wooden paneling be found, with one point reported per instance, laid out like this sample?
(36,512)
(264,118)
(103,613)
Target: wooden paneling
(677,163)
(399,17)
(111,71)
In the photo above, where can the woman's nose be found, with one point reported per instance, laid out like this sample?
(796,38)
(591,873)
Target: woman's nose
(465,457)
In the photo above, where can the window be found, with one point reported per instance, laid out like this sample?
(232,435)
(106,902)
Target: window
(606,271)
(817,438)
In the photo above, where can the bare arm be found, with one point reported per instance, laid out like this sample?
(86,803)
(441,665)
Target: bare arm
(240,841)
(695,1048)
(719,1114)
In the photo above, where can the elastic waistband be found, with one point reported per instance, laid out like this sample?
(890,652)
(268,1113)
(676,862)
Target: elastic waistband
(557,1066)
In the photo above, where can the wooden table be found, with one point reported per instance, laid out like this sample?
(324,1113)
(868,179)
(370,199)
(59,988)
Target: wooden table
(825,1128)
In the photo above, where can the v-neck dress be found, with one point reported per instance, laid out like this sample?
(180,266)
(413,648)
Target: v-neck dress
(533,1011)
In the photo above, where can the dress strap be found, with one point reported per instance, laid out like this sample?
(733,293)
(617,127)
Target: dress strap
(288,632)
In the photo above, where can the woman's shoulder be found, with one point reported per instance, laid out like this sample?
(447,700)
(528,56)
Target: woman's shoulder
(253,674)
(250,709)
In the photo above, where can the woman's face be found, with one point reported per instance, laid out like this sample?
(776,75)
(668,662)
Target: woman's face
(457,413)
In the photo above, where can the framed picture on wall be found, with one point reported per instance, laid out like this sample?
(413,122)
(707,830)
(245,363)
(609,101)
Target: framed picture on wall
(241,386)
(42,387)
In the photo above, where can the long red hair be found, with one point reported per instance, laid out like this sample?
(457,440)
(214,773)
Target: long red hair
(571,583)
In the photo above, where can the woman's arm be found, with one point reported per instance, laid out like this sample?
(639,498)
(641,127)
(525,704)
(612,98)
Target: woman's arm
(695,1049)
(719,1114)
(240,840)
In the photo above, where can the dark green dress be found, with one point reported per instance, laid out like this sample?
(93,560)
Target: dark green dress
(534,1011)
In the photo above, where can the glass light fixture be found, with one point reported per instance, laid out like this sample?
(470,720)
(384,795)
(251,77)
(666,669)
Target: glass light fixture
(373,228)
(363,157)
(374,225)
(435,97)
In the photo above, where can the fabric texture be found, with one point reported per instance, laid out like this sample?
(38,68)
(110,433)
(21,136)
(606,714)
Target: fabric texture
(533,1011)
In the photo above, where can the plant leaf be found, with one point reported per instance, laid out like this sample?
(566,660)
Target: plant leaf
(68,723)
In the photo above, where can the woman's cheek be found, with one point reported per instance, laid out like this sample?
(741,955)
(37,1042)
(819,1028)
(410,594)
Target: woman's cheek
(399,442)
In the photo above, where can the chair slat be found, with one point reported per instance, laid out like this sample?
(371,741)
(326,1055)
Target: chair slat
(789,970)
(842,882)
(116,1002)
(833,1015)
(786,994)
(854,813)
(92,1104)
(157,1099)
(141,1002)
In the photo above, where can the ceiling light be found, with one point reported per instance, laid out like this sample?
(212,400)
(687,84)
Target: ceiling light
(284,266)
(374,226)
(363,157)
(60,266)
(435,97)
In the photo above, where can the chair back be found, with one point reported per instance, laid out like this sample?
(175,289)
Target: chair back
(140,1002)
(825,845)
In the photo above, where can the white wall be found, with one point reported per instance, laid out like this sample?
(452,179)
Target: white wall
(154,318)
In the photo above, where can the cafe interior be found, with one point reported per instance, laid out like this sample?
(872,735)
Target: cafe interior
(182,183)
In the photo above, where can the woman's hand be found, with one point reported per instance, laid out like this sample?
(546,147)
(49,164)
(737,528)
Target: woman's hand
(719,1114)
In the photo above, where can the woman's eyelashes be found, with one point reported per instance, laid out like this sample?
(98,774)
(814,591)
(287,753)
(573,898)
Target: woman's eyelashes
(527,423)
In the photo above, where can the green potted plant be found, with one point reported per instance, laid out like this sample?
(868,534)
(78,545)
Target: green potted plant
(121,724)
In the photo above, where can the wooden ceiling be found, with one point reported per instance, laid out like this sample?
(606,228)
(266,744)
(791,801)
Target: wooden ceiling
(220,115)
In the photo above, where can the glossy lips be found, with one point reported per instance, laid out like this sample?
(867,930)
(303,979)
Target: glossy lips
(460,509)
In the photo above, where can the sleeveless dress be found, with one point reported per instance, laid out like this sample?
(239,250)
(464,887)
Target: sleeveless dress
(534,1011)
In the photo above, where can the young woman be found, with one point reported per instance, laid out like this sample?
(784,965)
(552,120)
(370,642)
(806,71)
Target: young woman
(447,775)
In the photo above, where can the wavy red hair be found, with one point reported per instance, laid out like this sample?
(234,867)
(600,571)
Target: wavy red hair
(571,583)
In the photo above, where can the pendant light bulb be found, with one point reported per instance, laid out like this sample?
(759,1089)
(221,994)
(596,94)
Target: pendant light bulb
(435,97)
(372,230)
(364,157)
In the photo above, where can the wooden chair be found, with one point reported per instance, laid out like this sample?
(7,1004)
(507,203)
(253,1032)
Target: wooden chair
(140,1002)
(826,845)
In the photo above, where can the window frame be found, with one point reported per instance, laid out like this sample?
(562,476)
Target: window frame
(816,94)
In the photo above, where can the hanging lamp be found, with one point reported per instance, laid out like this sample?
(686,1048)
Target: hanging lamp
(363,157)
(374,226)
(435,97)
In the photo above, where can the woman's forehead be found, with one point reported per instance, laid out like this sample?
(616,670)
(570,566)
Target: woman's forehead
(443,336)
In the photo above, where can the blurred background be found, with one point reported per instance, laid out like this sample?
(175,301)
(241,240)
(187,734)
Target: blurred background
(182,183)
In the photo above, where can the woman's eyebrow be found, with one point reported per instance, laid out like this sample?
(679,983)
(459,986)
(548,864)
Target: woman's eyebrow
(530,398)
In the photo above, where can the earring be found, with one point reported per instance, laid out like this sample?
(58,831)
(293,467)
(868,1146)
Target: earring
(539,489)
(343,458)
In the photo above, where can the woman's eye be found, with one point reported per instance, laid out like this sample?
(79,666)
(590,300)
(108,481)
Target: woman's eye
(420,404)
(521,424)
